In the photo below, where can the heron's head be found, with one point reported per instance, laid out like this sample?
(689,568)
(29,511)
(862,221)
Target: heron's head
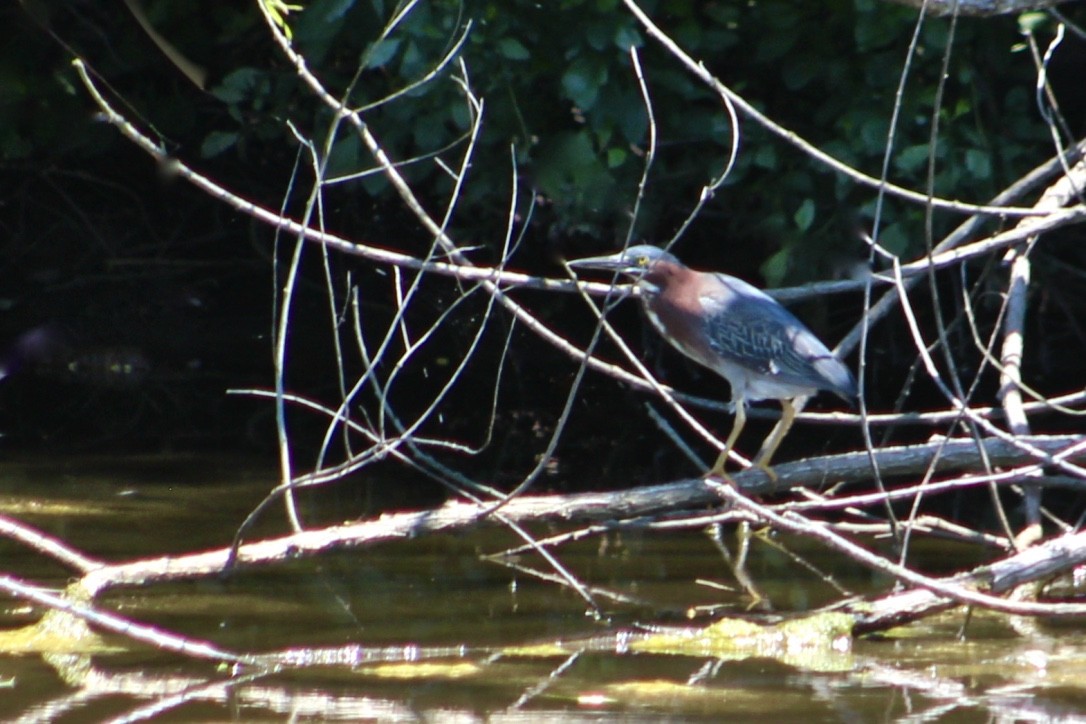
(636,261)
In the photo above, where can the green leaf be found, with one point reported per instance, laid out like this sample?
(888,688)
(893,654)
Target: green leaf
(382,52)
(616,157)
(912,158)
(978,163)
(805,215)
(582,81)
(334,10)
(894,239)
(567,167)
(874,30)
(598,35)
(799,72)
(766,157)
(775,268)
(873,132)
(414,60)
(628,37)
(345,157)
(217,142)
(513,49)
(238,86)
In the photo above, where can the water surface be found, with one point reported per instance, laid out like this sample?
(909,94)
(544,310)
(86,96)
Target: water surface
(456,629)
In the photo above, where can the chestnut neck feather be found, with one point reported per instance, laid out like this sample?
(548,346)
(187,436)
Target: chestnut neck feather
(672,300)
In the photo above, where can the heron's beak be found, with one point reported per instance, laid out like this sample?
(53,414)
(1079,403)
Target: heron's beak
(611,263)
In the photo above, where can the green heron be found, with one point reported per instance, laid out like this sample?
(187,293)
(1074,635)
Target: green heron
(737,331)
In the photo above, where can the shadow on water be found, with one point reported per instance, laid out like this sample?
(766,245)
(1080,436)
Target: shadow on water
(466,638)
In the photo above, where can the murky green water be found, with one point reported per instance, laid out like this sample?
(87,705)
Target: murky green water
(413,596)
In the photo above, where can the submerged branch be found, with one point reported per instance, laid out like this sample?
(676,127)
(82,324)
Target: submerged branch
(1034,564)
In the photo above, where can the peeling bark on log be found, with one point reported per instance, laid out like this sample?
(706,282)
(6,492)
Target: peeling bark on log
(946,456)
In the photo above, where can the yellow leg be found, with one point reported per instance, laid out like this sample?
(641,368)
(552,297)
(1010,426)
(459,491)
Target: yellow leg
(788,416)
(737,427)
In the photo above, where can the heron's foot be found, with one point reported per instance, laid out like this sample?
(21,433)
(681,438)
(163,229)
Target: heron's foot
(765,468)
(719,478)
(717,471)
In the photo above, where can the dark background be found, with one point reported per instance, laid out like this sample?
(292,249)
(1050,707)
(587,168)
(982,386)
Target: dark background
(130,302)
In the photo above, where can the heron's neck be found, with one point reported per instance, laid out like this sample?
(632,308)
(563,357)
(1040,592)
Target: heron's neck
(657,280)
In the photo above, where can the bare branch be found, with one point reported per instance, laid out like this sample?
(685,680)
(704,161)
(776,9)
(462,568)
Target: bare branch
(702,73)
(978,8)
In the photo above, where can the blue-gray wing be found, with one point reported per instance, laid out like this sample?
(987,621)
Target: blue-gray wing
(751,329)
